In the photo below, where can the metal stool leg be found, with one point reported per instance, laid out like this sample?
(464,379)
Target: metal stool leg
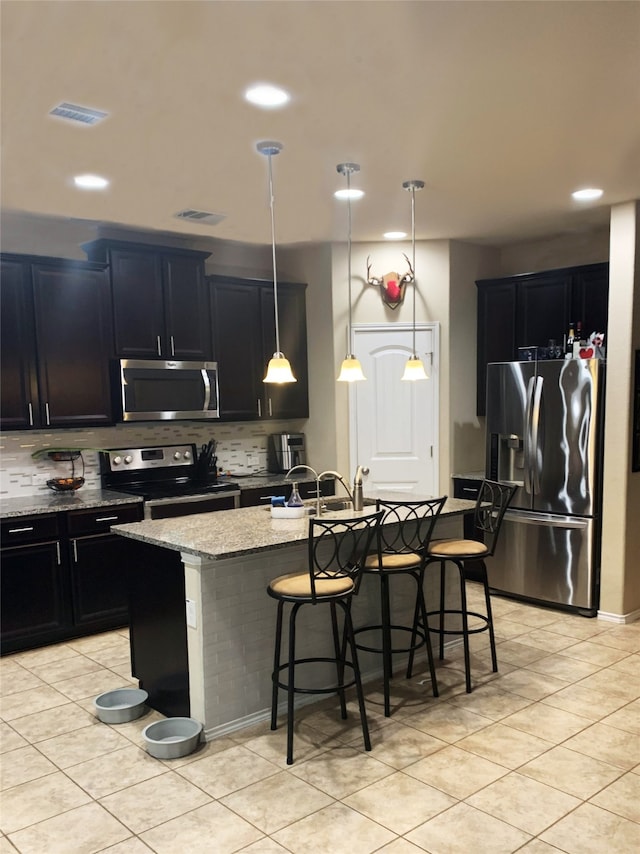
(427,638)
(338,651)
(275,676)
(492,637)
(387,663)
(350,637)
(291,683)
(442,579)
(465,627)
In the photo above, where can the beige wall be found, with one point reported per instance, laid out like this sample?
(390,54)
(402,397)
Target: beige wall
(620,591)
(565,250)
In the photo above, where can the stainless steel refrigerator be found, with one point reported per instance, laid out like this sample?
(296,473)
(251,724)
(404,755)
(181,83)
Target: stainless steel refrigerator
(545,434)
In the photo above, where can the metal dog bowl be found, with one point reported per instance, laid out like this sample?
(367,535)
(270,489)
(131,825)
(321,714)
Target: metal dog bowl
(172,738)
(121,705)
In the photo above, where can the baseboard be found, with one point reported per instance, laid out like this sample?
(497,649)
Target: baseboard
(620,619)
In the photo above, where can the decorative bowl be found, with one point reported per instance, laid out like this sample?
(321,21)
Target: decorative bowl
(172,737)
(121,705)
(65,484)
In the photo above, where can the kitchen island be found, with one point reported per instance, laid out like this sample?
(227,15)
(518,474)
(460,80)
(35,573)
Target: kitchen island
(228,558)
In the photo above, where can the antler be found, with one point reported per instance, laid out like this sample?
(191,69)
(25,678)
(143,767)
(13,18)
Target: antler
(372,280)
(408,277)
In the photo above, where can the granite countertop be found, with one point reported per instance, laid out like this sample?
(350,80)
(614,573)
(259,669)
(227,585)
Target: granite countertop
(58,502)
(253,481)
(471,475)
(232,533)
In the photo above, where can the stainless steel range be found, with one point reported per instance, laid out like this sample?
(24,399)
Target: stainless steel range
(169,480)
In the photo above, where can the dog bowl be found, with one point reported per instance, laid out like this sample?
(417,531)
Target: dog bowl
(121,705)
(172,737)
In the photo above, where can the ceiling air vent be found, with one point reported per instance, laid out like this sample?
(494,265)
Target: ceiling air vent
(74,113)
(205,217)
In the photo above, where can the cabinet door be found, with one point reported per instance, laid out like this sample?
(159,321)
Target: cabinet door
(185,301)
(35,598)
(544,305)
(73,332)
(238,350)
(136,284)
(590,298)
(496,330)
(19,404)
(289,400)
(100,567)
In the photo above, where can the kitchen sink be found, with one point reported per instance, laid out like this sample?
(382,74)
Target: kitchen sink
(344,503)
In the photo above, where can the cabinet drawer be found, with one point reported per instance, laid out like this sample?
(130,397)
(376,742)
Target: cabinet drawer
(468,488)
(29,529)
(263,494)
(100,519)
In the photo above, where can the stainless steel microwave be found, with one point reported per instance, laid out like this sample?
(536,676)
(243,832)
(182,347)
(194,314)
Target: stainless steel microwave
(155,390)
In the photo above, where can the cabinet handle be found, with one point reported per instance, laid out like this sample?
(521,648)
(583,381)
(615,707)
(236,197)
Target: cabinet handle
(158,345)
(259,409)
(107,518)
(265,498)
(173,349)
(270,412)
(20,530)
(470,489)
(46,410)
(30,415)
(75,551)
(58,553)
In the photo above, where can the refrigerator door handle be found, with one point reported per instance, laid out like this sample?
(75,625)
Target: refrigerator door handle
(535,433)
(548,520)
(528,485)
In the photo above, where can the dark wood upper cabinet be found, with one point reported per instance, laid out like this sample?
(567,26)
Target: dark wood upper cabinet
(243,323)
(532,308)
(159,297)
(19,399)
(56,343)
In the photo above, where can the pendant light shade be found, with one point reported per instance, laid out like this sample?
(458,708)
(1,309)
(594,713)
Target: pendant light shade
(278,369)
(414,369)
(351,369)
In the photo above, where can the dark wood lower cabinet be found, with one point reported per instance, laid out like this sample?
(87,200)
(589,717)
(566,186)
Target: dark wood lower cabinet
(99,569)
(158,627)
(35,605)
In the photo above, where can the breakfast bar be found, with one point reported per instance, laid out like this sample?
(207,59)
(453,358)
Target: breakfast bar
(228,559)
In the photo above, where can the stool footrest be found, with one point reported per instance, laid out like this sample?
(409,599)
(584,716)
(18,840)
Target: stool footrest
(332,689)
(459,631)
(420,639)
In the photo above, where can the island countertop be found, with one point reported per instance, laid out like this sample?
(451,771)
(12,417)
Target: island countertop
(232,533)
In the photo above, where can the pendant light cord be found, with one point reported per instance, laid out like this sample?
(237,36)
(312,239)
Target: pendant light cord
(413,261)
(349,257)
(273,252)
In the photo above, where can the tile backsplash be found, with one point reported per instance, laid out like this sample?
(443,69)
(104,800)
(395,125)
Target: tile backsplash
(21,475)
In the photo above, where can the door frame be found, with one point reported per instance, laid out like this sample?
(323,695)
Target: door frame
(433,369)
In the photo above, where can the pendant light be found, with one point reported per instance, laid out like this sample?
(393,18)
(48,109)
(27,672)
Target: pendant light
(414,369)
(351,369)
(278,369)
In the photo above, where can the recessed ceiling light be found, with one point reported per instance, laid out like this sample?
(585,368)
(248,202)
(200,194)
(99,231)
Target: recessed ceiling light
(349,194)
(394,235)
(266,95)
(90,182)
(589,194)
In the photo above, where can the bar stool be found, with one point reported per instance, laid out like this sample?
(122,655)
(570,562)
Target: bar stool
(469,558)
(337,550)
(402,550)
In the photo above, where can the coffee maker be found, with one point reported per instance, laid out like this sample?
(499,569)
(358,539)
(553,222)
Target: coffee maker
(284,451)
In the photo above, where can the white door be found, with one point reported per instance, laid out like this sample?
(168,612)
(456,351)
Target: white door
(394,424)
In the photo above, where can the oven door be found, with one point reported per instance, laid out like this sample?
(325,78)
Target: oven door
(185,505)
(167,391)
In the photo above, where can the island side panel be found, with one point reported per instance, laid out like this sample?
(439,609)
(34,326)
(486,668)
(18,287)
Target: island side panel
(230,648)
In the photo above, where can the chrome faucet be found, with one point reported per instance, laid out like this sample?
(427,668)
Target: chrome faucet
(358,497)
(329,473)
(317,478)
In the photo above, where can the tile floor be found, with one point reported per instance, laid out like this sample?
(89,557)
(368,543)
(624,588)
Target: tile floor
(540,758)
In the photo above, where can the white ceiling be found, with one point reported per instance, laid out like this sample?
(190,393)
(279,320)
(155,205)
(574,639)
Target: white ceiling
(502,108)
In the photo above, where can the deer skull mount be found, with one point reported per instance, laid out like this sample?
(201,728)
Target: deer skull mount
(392,285)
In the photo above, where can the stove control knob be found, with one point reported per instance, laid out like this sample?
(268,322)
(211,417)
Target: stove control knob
(117,460)
(187,455)
(128,459)
(177,455)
